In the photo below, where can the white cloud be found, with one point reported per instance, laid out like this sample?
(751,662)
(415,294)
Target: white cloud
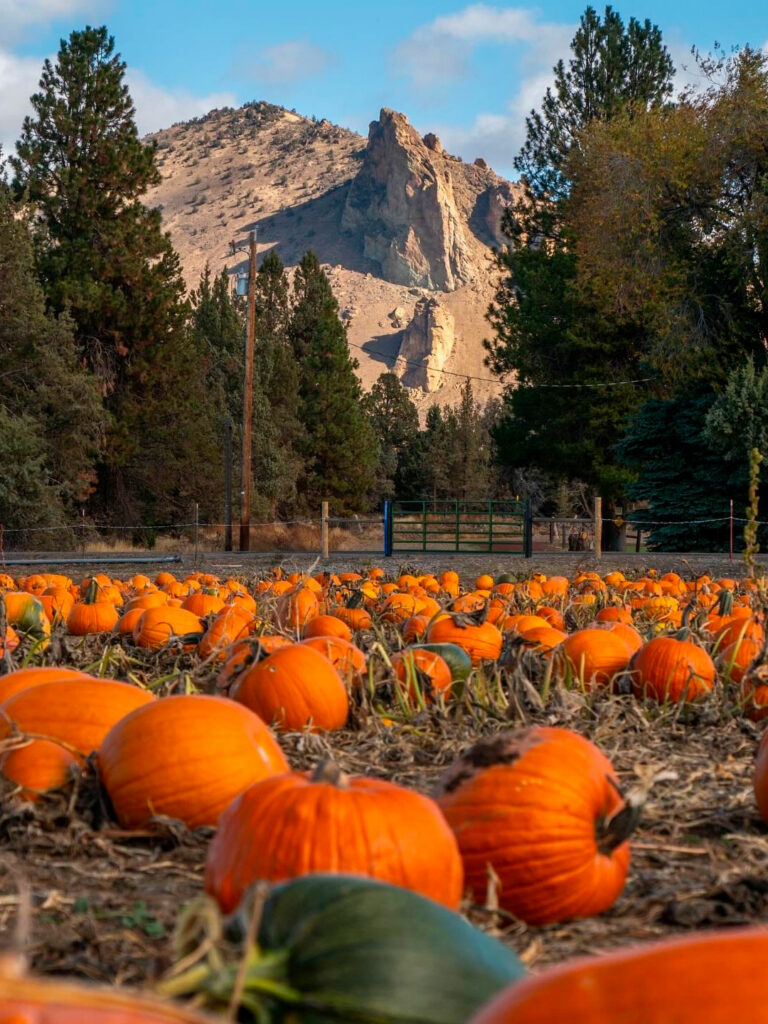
(19,77)
(440,51)
(289,62)
(155,107)
(16,16)
(159,108)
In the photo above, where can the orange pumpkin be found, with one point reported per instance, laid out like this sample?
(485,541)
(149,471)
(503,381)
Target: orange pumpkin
(670,669)
(38,766)
(296,688)
(25,678)
(39,1000)
(481,642)
(327,625)
(593,657)
(722,970)
(186,757)
(297,824)
(231,624)
(159,626)
(541,807)
(77,713)
(355,618)
(426,670)
(348,660)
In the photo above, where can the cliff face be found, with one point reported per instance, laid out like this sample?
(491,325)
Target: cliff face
(394,219)
(402,204)
(427,345)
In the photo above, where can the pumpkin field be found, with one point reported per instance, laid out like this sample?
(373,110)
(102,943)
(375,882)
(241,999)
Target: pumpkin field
(199,772)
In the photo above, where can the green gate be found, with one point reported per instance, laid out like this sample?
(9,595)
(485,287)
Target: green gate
(479,526)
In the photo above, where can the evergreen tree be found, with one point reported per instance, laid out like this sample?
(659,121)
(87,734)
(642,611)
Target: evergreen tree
(277,432)
(395,422)
(52,419)
(685,485)
(560,416)
(338,446)
(611,68)
(103,257)
(469,448)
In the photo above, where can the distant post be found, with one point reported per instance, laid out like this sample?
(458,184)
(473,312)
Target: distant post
(324,529)
(598,527)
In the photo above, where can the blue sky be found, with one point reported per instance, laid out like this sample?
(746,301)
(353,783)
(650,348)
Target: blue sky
(467,71)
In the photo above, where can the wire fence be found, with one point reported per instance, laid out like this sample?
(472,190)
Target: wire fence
(354,534)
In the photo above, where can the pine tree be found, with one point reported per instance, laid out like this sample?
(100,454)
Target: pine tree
(277,431)
(52,419)
(338,447)
(469,451)
(560,416)
(611,67)
(395,422)
(103,257)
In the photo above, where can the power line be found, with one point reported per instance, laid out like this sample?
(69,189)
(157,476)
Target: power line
(495,380)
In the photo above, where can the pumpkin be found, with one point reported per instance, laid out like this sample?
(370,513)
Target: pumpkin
(77,713)
(422,671)
(346,949)
(296,608)
(736,658)
(296,687)
(722,971)
(57,602)
(202,603)
(753,689)
(614,613)
(231,624)
(346,658)
(543,638)
(415,628)
(245,652)
(38,766)
(355,618)
(91,614)
(186,757)
(10,641)
(159,626)
(25,999)
(455,657)
(670,669)
(542,807)
(481,642)
(592,657)
(327,625)
(25,678)
(296,824)
(26,613)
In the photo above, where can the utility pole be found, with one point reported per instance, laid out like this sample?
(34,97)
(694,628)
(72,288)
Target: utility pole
(245,489)
(228,486)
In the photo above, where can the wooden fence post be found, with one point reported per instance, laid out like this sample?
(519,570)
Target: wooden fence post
(598,527)
(324,529)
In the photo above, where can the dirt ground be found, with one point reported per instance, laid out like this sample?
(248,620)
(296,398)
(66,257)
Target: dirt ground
(82,897)
(104,901)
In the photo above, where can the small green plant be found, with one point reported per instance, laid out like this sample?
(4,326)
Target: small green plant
(751,546)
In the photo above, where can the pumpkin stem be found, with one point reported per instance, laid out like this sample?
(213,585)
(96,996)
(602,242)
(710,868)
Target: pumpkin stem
(612,832)
(329,772)
(92,593)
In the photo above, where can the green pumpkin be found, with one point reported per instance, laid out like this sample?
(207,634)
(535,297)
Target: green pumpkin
(458,660)
(341,949)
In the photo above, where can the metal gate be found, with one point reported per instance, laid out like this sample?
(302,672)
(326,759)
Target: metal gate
(478,526)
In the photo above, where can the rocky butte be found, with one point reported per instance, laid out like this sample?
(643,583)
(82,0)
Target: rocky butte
(404,230)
